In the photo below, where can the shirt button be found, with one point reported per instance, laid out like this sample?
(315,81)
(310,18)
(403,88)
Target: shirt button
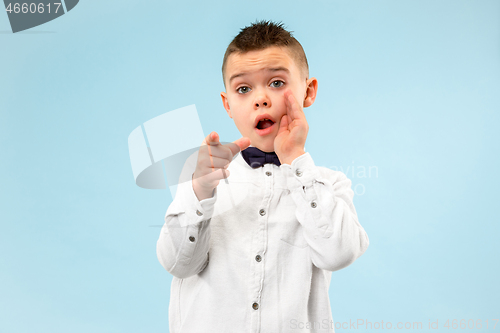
(199,213)
(313,204)
(191,239)
(298,173)
(268,173)
(258,258)
(262,212)
(255,306)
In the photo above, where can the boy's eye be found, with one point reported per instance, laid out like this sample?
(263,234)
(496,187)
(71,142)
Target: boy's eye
(243,90)
(277,83)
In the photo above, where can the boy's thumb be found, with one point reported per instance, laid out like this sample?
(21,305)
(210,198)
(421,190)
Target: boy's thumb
(238,145)
(243,143)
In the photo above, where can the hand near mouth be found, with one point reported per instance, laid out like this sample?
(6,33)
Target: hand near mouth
(291,139)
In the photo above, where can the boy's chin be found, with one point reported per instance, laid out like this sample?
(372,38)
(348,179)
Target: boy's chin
(266,144)
(268,148)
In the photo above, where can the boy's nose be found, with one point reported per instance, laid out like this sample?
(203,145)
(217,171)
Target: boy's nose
(262,101)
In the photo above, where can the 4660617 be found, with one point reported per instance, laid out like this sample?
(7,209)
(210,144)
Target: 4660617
(32,8)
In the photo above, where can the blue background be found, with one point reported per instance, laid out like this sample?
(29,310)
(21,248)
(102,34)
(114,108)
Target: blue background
(409,88)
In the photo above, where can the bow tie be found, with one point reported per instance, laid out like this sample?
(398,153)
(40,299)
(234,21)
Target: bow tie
(256,157)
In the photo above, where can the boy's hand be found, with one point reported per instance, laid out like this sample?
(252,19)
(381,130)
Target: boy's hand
(213,160)
(291,139)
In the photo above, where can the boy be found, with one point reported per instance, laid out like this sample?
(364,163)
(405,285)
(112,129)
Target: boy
(255,252)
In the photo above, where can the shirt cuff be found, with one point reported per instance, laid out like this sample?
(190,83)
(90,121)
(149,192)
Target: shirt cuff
(195,210)
(302,172)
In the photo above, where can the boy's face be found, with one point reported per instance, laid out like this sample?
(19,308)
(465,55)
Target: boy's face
(255,86)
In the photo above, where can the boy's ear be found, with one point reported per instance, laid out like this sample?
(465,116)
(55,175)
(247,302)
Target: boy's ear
(311,90)
(226,103)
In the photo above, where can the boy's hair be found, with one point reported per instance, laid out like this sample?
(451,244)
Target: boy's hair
(264,34)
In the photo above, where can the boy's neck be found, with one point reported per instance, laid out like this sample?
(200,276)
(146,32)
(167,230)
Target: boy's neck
(259,148)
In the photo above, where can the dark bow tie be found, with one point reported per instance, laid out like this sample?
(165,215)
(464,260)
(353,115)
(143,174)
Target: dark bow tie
(256,157)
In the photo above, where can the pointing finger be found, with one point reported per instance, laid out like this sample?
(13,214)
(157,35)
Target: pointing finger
(212,139)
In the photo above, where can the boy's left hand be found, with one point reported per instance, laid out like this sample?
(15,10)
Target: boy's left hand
(291,139)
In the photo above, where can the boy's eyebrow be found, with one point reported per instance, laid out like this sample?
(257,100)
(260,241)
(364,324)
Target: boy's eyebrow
(270,69)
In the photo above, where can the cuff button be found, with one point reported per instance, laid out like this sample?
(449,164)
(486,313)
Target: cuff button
(199,213)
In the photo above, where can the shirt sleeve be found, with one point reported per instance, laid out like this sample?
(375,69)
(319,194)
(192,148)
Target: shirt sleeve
(326,212)
(182,248)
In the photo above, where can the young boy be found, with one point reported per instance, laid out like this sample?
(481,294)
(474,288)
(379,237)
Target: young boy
(255,252)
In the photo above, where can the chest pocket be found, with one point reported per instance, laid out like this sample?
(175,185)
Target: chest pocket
(293,234)
(289,228)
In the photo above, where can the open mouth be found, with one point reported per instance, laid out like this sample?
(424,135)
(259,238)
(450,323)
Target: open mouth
(265,123)
(265,126)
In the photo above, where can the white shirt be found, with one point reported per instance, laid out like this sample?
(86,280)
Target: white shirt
(258,255)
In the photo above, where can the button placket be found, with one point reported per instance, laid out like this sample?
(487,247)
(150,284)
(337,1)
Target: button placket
(260,240)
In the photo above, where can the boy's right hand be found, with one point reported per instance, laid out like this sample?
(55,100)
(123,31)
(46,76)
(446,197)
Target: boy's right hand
(213,160)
